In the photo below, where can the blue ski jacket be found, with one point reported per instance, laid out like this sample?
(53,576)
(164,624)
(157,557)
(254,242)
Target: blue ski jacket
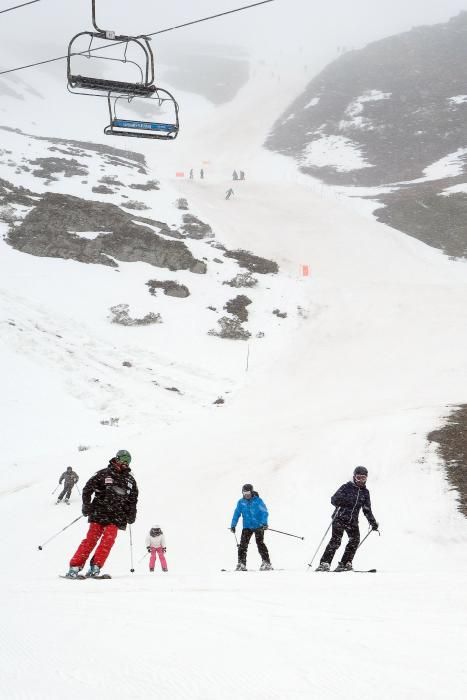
(253,512)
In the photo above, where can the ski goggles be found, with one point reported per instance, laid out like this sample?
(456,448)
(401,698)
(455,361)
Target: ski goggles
(360,477)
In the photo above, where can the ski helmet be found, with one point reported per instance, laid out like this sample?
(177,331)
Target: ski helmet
(69,469)
(247,488)
(360,470)
(155,531)
(123,456)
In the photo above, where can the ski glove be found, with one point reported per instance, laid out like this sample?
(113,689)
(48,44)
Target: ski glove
(263,527)
(232,529)
(85,511)
(164,549)
(149,549)
(375,526)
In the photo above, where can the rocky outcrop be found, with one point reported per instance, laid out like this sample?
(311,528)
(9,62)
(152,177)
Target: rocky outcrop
(253,263)
(451,441)
(392,114)
(52,229)
(171,288)
(121,314)
(195,228)
(237,307)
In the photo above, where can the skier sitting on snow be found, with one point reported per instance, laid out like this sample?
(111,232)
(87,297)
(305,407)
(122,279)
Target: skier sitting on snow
(112,508)
(255,520)
(70,478)
(155,544)
(348,500)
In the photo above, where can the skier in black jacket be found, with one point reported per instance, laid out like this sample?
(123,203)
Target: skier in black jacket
(70,478)
(348,500)
(112,508)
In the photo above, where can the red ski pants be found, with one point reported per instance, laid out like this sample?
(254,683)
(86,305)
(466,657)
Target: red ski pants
(95,532)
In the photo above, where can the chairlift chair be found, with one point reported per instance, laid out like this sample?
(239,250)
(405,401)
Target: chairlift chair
(142,128)
(92,85)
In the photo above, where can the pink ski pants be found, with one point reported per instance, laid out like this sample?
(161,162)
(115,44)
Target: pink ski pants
(152,559)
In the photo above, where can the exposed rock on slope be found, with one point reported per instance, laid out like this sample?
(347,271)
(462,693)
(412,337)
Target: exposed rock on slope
(52,228)
(393,113)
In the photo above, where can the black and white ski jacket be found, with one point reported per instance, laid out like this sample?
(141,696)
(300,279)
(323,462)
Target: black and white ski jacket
(115,497)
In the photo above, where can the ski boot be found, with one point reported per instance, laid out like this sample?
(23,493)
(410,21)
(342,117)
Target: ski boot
(323,566)
(73,572)
(67,501)
(241,567)
(94,571)
(265,566)
(164,569)
(344,567)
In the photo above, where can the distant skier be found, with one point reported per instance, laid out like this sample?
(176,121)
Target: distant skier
(348,500)
(242,175)
(234,175)
(155,544)
(201,174)
(191,174)
(112,508)
(70,478)
(229,193)
(255,520)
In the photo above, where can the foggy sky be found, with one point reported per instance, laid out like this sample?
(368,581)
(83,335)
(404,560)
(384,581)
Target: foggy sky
(281,28)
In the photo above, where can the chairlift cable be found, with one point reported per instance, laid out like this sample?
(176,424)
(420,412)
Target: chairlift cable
(16,7)
(161,31)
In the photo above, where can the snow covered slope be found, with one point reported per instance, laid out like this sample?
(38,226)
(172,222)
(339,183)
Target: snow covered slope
(362,367)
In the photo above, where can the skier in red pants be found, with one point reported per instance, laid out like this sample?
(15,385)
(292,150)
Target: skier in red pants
(112,508)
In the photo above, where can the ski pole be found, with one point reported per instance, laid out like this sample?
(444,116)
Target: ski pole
(322,540)
(143,557)
(317,548)
(77,487)
(367,535)
(235,535)
(55,489)
(131,551)
(270,529)
(57,533)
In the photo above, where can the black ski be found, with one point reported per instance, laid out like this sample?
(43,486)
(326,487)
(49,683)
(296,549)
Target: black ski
(365,571)
(355,571)
(250,570)
(80,577)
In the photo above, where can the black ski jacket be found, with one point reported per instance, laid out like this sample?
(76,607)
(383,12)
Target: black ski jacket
(71,478)
(115,497)
(348,501)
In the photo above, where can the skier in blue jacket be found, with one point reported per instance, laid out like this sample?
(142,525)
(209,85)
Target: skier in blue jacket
(255,520)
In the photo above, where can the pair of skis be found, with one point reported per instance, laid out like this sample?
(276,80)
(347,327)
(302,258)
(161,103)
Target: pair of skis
(355,571)
(80,577)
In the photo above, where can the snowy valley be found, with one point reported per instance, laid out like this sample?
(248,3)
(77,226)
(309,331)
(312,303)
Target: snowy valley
(279,337)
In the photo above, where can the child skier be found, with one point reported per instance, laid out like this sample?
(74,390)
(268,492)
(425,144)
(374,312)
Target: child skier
(155,544)
(112,508)
(70,478)
(348,500)
(255,520)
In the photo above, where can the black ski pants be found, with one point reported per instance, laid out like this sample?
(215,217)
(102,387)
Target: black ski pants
(245,540)
(338,529)
(66,492)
